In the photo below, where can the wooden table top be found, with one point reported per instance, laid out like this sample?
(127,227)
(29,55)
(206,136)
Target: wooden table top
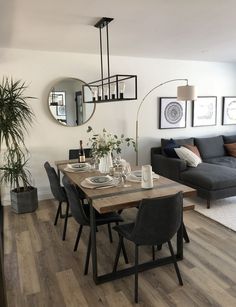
(116,198)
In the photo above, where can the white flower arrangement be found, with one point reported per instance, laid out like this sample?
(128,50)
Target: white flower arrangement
(105,142)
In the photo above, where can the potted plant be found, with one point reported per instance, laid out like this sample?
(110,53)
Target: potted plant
(15,117)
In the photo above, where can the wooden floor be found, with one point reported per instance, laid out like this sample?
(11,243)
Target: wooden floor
(42,270)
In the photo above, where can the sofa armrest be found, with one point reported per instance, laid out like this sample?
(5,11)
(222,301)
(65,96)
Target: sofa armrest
(167,167)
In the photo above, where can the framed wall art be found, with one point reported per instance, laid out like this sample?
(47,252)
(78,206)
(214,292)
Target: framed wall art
(61,110)
(57,98)
(172,113)
(229,110)
(204,111)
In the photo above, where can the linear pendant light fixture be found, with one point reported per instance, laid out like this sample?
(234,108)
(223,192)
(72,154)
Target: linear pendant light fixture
(111,88)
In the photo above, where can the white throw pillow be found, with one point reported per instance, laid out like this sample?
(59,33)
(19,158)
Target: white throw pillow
(190,157)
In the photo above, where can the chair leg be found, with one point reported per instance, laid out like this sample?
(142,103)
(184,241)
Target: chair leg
(153,253)
(65,222)
(78,238)
(175,263)
(58,212)
(109,232)
(118,253)
(61,213)
(124,251)
(87,256)
(159,247)
(185,234)
(136,275)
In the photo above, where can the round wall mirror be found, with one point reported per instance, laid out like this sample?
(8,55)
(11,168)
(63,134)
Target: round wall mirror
(66,105)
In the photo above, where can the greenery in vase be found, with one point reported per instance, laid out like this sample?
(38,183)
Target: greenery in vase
(15,117)
(105,142)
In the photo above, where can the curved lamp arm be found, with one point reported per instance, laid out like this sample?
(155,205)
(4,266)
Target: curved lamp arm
(138,111)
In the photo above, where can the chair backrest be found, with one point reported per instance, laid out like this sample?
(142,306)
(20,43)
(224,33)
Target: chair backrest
(75,202)
(158,219)
(74,153)
(56,188)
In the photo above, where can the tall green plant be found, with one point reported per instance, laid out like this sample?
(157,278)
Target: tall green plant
(15,118)
(15,114)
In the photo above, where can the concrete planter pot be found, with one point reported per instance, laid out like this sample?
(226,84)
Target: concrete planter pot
(24,201)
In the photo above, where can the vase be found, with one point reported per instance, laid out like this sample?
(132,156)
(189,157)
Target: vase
(105,163)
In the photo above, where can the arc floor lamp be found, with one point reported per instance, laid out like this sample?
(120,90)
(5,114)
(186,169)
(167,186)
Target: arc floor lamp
(184,93)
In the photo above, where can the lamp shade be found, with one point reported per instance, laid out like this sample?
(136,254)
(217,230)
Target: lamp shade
(186,92)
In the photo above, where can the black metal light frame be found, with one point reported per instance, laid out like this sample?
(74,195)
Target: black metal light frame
(109,80)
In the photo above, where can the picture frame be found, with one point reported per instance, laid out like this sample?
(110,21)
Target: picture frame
(61,110)
(229,110)
(57,98)
(204,111)
(172,113)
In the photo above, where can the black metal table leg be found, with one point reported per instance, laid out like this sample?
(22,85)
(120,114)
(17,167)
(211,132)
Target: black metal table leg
(93,242)
(113,275)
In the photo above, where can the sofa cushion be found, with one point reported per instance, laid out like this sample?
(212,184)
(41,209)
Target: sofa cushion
(180,142)
(209,176)
(187,155)
(229,139)
(169,149)
(193,148)
(224,161)
(231,149)
(211,147)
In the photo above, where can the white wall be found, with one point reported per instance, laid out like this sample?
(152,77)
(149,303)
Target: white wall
(50,141)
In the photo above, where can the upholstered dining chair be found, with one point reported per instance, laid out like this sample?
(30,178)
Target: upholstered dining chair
(157,221)
(81,213)
(60,195)
(73,154)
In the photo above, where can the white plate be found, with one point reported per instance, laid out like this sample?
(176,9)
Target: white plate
(99,180)
(136,176)
(78,166)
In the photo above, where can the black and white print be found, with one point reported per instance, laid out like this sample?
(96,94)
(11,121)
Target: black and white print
(204,111)
(172,113)
(229,111)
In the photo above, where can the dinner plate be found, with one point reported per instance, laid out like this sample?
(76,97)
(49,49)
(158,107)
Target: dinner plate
(99,180)
(78,166)
(136,176)
(137,173)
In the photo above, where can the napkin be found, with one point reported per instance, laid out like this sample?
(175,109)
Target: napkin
(147,178)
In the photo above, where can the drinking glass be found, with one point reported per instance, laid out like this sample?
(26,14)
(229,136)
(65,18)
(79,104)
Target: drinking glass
(117,174)
(126,171)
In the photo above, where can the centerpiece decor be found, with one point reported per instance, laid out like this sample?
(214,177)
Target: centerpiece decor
(104,144)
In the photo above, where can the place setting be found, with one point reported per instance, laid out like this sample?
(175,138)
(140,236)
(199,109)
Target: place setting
(77,167)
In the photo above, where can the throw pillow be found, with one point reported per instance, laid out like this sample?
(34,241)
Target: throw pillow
(193,148)
(185,154)
(169,149)
(231,149)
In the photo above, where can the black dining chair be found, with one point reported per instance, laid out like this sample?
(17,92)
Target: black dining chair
(81,213)
(60,195)
(74,153)
(157,221)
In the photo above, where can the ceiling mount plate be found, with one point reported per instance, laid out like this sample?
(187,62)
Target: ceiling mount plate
(103,22)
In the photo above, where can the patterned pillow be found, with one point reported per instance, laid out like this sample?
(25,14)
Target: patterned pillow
(185,154)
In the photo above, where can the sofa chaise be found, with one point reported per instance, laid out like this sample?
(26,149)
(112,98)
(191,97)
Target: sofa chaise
(214,178)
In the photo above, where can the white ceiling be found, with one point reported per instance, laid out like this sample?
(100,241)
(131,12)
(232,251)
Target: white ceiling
(177,29)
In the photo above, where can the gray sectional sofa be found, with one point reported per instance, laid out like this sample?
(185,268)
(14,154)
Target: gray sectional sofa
(214,178)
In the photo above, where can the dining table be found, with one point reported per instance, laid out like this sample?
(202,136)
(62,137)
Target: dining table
(114,198)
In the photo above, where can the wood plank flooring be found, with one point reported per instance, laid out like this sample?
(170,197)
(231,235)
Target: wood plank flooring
(42,270)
